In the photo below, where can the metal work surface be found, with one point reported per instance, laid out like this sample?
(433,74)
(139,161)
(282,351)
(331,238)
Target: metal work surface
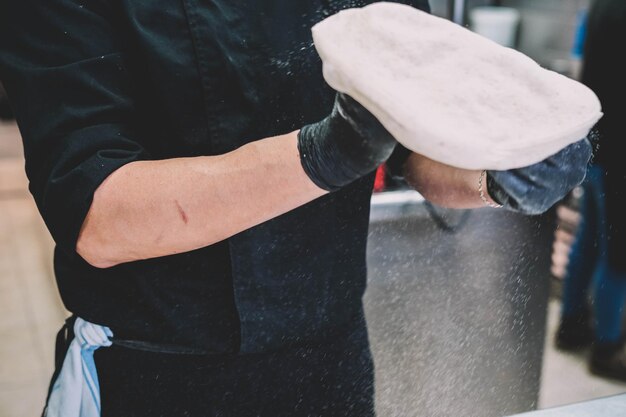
(456,318)
(614,406)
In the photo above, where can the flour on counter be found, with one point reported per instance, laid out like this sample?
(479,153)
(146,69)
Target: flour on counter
(448,93)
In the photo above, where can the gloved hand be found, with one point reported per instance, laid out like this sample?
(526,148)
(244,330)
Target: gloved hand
(536,188)
(345,146)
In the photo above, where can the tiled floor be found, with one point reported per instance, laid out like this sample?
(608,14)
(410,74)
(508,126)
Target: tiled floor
(31,311)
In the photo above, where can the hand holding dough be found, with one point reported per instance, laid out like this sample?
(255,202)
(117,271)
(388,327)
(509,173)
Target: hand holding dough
(448,93)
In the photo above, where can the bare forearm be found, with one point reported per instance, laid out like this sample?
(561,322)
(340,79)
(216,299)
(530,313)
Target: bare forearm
(444,185)
(157,208)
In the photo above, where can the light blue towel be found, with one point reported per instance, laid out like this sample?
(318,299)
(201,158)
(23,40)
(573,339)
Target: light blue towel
(76,392)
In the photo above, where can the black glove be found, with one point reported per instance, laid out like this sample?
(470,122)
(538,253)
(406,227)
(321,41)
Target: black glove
(536,188)
(345,146)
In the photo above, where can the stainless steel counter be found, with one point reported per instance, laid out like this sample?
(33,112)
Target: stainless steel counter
(614,406)
(456,307)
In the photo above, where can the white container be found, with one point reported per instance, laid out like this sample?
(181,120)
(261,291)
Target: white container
(499,24)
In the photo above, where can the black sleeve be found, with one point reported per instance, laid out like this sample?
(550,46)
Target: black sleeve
(69,89)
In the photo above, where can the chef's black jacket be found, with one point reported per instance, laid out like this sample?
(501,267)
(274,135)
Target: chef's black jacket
(96,84)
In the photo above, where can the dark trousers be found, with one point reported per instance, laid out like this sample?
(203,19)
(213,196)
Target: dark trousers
(334,378)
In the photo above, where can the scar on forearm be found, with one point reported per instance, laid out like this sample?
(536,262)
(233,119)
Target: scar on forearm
(182,213)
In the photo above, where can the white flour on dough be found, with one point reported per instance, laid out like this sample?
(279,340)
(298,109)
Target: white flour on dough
(448,93)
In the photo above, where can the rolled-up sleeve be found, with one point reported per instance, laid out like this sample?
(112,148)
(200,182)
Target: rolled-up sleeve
(71,94)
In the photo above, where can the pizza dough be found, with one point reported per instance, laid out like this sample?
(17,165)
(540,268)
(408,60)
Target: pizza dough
(448,93)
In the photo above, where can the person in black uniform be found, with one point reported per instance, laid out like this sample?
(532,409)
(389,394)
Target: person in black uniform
(209,196)
(597,264)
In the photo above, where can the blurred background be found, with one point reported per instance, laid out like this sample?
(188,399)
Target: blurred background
(467,327)
(546,30)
